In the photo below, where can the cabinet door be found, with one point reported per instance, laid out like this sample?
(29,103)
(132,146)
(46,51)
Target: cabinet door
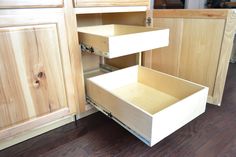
(166,59)
(34,64)
(200,51)
(30,3)
(194,48)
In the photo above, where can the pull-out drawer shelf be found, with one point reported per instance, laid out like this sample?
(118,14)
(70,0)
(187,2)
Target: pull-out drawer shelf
(151,104)
(119,40)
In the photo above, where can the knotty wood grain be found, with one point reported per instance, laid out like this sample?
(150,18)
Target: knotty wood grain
(13,108)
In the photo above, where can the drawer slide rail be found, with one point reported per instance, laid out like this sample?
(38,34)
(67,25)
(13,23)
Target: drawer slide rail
(109,114)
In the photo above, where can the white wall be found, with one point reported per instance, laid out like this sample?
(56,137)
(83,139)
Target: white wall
(151,4)
(195,4)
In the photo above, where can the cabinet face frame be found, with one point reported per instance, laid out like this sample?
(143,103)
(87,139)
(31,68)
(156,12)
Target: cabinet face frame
(110,6)
(37,17)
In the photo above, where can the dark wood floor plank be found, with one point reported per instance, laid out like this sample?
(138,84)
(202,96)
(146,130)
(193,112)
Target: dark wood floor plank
(211,134)
(220,141)
(229,150)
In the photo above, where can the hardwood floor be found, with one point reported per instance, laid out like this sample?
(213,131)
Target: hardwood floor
(210,135)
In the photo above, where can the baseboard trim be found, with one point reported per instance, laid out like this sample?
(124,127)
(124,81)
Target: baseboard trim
(35,132)
(89,110)
(45,128)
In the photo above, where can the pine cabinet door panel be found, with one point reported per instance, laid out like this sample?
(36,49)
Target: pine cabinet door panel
(35,69)
(38,57)
(166,59)
(41,57)
(200,50)
(13,106)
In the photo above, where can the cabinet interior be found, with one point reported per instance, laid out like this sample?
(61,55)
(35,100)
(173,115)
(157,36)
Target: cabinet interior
(94,65)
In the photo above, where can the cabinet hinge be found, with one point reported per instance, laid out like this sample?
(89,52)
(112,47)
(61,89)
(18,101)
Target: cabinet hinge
(149,21)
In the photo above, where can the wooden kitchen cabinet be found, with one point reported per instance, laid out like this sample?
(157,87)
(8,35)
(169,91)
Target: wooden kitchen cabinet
(200,47)
(149,104)
(36,85)
(42,79)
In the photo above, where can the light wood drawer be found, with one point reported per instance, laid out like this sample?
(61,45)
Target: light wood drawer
(31,3)
(150,104)
(119,40)
(110,3)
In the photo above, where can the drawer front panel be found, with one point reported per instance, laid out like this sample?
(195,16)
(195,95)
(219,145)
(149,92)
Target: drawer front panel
(31,3)
(171,119)
(110,3)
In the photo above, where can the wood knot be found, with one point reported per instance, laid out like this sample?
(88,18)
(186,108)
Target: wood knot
(41,75)
(36,84)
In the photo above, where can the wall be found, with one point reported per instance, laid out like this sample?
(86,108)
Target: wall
(195,4)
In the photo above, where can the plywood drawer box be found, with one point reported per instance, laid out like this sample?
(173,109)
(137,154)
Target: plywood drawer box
(150,104)
(110,3)
(119,40)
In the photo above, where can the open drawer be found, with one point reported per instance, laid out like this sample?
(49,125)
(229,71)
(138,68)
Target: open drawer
(119,40)
(150,104)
